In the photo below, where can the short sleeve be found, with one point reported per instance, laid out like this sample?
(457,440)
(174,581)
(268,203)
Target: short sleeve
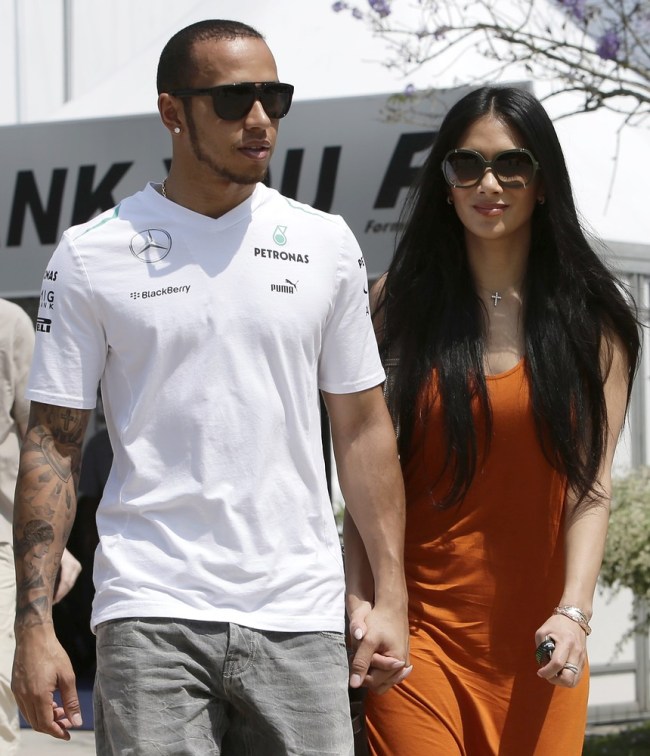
(70,351)
(349,359)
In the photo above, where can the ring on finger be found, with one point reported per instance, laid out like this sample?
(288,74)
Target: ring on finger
(571,667)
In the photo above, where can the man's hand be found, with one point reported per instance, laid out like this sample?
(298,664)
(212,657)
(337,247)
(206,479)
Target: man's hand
(42,667)
(69,572)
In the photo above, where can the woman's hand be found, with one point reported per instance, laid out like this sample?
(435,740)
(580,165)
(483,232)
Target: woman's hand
(569,657)
(384,670)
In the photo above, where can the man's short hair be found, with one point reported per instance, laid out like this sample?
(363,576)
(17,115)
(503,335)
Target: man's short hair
(177,66)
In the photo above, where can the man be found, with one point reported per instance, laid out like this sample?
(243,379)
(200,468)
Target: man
(16,347)
(213,310)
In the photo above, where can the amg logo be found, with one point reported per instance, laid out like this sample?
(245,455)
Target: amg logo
(283,289)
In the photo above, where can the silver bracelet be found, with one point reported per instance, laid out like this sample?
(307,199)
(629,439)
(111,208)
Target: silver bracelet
(576,614)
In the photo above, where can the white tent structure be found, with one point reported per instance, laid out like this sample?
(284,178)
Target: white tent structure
(63,61)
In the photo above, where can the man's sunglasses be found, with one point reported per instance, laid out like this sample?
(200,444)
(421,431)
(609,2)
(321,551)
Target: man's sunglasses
(234,101)
(513,169)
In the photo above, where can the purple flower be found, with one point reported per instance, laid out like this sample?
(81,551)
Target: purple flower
(381,7)
(409,91)
(357,13)
(339,6)
(608,45)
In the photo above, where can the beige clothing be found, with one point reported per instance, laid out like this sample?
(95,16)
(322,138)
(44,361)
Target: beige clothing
(9,727)
(16,347)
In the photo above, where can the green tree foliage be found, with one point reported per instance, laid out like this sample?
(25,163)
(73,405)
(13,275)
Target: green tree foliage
(627,554)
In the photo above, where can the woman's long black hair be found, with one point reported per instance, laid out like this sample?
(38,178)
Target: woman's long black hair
(432,317)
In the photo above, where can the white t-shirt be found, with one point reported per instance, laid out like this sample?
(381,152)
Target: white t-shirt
(211,338)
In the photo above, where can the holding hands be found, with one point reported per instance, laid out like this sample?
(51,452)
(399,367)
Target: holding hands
(379,639)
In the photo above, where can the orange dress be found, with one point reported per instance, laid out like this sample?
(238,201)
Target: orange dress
(482,577)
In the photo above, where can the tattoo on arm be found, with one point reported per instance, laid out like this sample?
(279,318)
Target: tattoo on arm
(45,505)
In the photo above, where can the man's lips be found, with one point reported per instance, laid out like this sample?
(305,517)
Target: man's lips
(256,151)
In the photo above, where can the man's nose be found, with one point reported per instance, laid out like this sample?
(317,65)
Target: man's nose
(257,116)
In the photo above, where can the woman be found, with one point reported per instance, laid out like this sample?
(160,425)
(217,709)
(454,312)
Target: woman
(513,352)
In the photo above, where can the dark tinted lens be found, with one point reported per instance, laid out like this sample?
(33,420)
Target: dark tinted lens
(514,168)
(233,102)
(276,99)
(463,168)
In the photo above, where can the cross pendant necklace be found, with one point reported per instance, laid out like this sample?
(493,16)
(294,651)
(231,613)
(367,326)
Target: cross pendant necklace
(496,297)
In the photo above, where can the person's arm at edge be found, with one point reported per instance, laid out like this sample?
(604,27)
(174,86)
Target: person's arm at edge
(45,503)
(371,482)
(585,535)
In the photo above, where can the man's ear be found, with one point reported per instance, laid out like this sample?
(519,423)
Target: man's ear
(171,113)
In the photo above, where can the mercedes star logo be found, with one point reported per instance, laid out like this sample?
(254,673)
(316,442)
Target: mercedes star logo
(151,245)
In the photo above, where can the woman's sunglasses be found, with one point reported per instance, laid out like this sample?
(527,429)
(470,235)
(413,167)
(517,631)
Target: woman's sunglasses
(513,169)
(234,101)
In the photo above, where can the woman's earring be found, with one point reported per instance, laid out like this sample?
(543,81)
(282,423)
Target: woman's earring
(177,129)
(541,200)
(449,200)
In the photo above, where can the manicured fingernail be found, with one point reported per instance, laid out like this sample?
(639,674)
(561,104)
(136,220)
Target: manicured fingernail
(405,673)
(358,633)
(397,664)
(355,681)
(76,720)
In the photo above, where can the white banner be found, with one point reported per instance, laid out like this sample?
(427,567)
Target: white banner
(345,156)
